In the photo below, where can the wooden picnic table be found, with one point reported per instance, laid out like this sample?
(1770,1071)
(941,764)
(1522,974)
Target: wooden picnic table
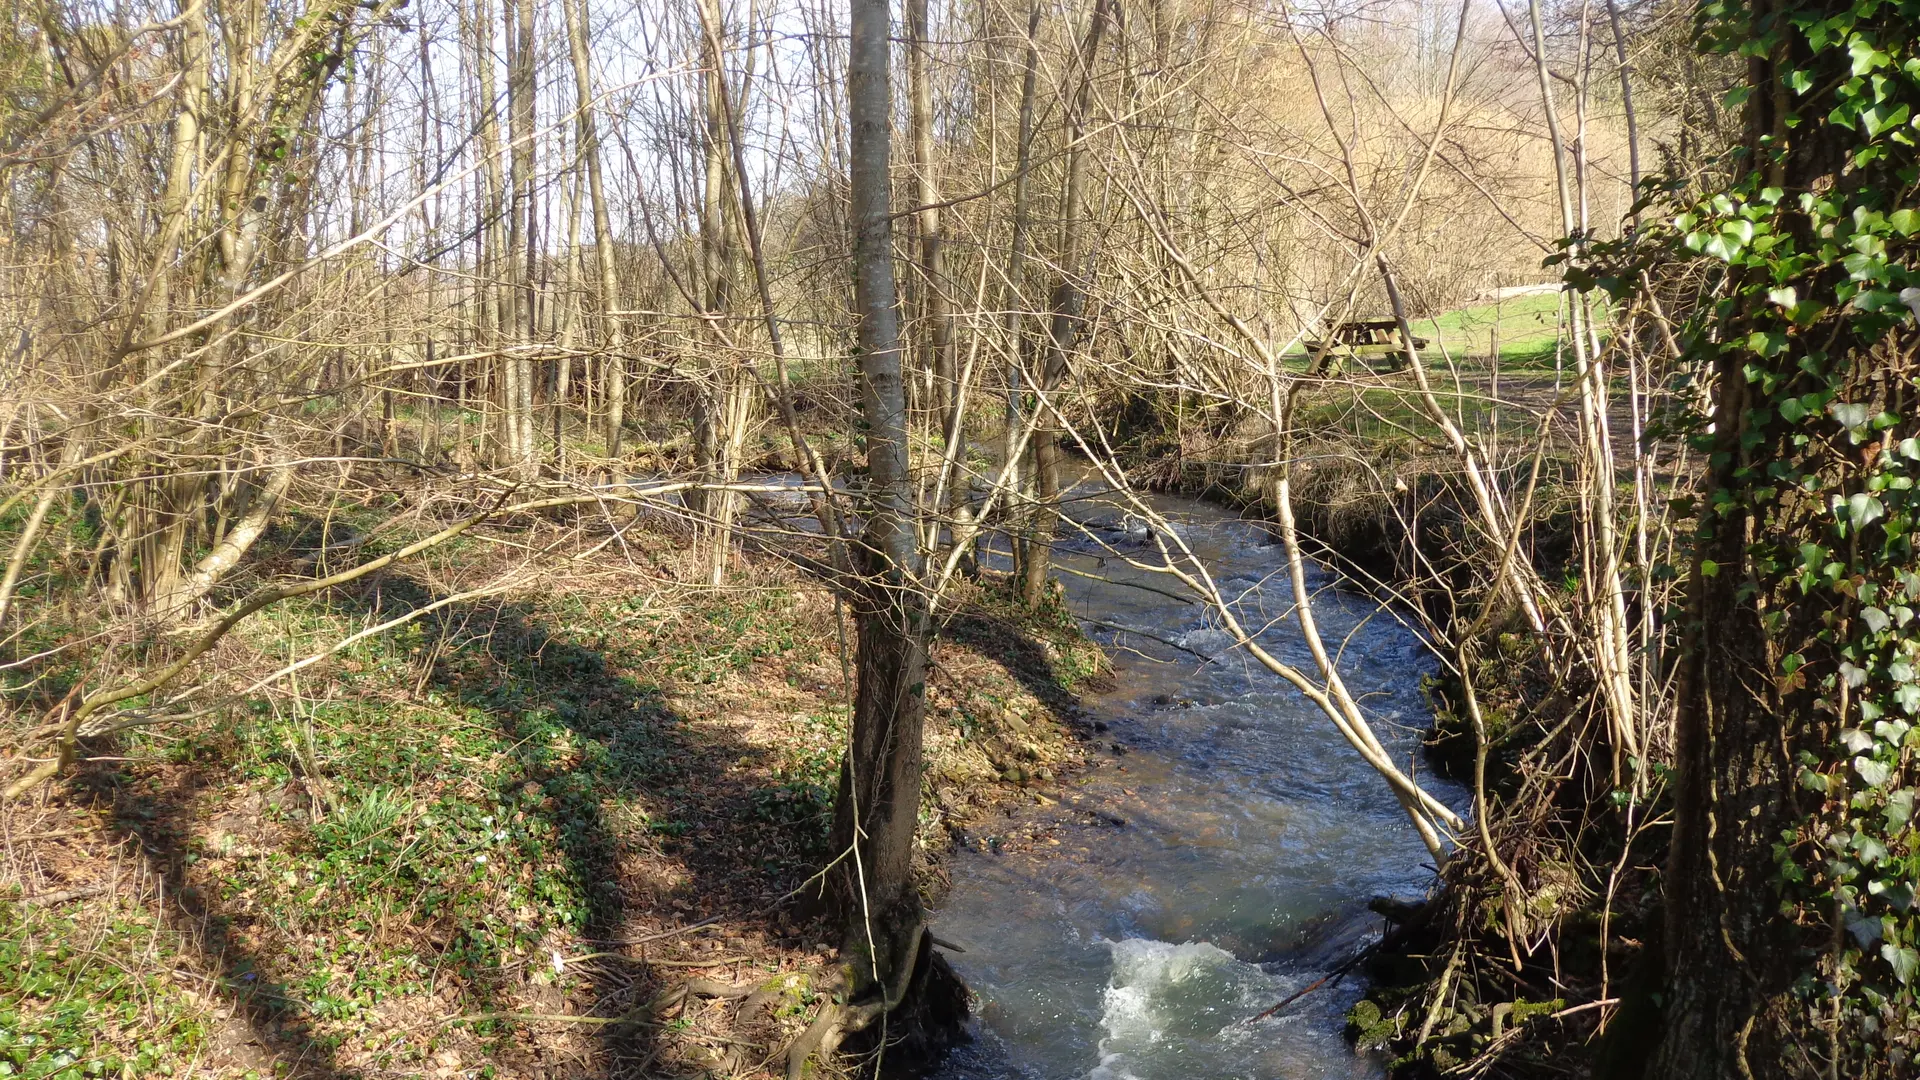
(1366,340)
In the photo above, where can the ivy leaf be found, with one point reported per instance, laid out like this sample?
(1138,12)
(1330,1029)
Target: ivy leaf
(1909,698)
(1899,811)
(1871,851)
(1898,894)
(1864,930)
(1865,57)
(1904,221)
(1873,772)
(1787,296)
(1853,738)
(1875,619)
(1848,416)
(1869,266)
(1905,962)
(1880,124)
(1864,509)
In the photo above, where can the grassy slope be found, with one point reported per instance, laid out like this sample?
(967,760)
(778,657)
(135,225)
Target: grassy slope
(317,881)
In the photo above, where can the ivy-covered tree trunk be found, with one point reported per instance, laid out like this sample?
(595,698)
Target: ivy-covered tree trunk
(1789,890)
(1730,952)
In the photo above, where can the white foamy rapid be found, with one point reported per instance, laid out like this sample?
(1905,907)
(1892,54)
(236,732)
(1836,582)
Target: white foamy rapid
(1167,1003)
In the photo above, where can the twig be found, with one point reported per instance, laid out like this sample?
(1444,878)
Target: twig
(1331,977)
(51,835)
(62,896)
(1203,657)
(723,961)
(644,938)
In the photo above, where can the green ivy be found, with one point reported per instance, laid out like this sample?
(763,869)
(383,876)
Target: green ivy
(1811,295)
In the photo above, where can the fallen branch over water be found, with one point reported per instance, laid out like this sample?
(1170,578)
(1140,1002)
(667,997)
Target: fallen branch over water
(1330,978)
(1414,920)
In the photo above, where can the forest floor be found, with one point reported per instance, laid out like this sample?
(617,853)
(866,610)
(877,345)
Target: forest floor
(461,847)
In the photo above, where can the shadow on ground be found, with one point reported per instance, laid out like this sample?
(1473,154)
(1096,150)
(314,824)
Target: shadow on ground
(489,784)
(647,822)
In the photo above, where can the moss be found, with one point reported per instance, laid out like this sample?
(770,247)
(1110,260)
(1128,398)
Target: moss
(1367,1028)
(1524,1009)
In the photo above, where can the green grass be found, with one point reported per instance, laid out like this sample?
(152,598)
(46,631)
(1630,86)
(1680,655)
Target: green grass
(1383,416)
(1528,326)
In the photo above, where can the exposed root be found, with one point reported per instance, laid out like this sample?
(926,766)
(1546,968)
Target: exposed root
(839,1020)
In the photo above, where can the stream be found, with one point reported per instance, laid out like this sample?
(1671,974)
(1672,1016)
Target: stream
(1218,857)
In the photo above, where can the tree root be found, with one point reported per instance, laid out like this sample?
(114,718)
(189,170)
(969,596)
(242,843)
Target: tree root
(838,1020)
(677,995)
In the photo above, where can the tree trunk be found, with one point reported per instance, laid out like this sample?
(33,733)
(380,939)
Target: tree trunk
(1063,328)
(488,239)
(1015,302)
(717,427)
(1731,800)
(936,307)
(879,798)
(523,239)
(1743,719)
(613,338)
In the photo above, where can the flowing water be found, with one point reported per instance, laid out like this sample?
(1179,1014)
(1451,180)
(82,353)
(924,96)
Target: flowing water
(1218,858)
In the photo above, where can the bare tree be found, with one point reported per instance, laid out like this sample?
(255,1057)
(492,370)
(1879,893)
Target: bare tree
(877,810)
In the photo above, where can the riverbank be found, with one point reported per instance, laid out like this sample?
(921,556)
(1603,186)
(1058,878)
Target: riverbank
(459,848)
